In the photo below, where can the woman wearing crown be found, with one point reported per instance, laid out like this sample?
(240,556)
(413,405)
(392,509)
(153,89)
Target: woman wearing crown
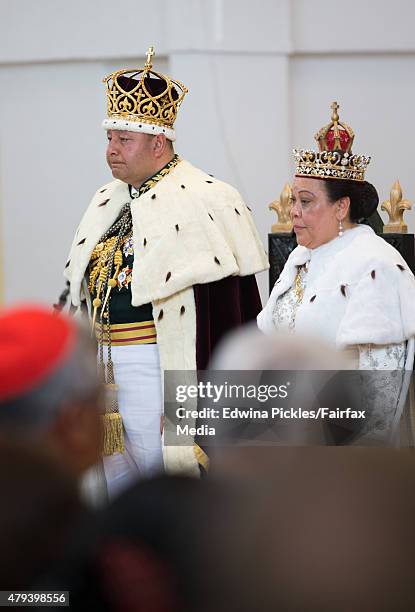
(343,283)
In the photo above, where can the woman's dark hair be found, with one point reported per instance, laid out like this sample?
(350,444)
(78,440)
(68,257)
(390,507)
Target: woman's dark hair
(363,196)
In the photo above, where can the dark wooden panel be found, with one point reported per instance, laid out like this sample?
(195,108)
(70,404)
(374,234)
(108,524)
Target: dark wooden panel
(279,248)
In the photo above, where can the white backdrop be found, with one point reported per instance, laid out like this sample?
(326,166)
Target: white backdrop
(262,76)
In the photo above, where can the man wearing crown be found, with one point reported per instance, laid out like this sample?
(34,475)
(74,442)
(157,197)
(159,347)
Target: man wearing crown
(164,258)
(344,284)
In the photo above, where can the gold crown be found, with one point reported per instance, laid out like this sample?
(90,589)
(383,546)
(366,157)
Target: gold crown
(142,100)
(335,158)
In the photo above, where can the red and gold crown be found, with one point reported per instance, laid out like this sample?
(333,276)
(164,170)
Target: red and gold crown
(335,158)
(141,100)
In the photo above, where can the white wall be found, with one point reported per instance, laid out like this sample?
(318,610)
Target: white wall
(262,76)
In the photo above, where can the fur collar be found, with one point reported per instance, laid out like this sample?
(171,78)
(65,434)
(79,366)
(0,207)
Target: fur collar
(359,290)
(189,228)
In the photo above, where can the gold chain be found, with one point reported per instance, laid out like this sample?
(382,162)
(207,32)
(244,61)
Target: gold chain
(299,284)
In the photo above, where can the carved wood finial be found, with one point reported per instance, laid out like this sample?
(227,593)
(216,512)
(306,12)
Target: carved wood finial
(283,207)
(395,207)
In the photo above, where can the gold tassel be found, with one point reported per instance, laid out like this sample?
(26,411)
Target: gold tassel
(97,301)
(113,434)
(201,456)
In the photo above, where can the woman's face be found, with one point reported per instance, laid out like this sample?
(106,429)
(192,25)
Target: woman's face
(314,218)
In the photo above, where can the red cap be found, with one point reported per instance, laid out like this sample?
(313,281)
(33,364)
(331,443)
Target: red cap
(34,341)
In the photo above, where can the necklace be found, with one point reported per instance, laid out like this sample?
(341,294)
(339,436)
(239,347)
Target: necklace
(299,283)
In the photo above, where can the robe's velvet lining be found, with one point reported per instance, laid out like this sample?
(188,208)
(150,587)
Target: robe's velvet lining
(220,307)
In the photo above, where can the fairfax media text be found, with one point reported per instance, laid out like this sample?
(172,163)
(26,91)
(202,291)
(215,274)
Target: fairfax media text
(282,413)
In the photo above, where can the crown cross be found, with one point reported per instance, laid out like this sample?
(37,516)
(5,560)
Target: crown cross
(335,107)
(150,53)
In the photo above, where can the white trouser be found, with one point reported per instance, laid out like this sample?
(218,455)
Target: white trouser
(137,374)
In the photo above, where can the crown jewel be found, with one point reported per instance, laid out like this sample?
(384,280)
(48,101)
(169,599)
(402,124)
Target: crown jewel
(334,158)
(142,100)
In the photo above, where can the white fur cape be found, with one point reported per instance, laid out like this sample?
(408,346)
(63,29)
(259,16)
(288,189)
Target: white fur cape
(189,228)
(359,290)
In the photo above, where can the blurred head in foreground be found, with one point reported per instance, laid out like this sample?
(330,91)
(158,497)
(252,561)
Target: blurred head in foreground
(328,529)
(39,510)
(328,400)
(49,389)
(155,548)
(247,348)
(332,527)
(312,374)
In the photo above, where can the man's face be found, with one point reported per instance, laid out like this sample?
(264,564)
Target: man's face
(130,156)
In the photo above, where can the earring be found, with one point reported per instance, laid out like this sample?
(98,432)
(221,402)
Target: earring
(341,228)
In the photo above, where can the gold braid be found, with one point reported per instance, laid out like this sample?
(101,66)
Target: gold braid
(113,428)
(101,276)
